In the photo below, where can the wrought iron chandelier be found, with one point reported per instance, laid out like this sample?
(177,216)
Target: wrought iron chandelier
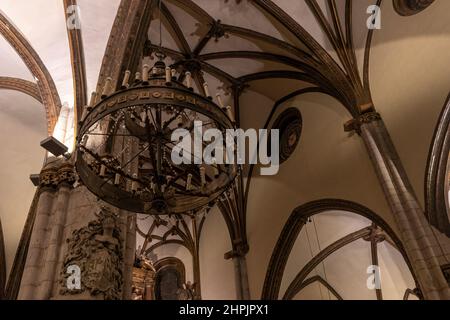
(124,144)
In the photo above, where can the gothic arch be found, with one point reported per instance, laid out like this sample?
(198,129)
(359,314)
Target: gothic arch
(323,282)
(21,85)
(47,88)
(437,178)
(291,231)
(2,264)
(168,266)
(77,62)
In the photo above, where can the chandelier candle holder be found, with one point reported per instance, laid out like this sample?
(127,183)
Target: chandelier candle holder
(124,144)
(189,81)
(137,77)
(206,89)
(126,80)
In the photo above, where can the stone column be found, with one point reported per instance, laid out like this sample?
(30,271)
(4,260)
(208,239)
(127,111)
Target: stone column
(56,180)
(416,233)
(52,251)
(244,278)
(129,233)
(2,265)
(73,228)
(34,262)
(240,276)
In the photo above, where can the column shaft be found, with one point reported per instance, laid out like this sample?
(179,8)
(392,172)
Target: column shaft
(241,278)
(419,241)
(49,271)
(244,279)
(37,246)
(237,277)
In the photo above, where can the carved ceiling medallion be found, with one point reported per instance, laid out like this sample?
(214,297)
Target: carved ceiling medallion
(411,7)
(290,124)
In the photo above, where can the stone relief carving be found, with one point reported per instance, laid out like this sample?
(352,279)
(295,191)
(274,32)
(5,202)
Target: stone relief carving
(97,250)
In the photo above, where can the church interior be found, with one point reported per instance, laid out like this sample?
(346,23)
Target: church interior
(348,99)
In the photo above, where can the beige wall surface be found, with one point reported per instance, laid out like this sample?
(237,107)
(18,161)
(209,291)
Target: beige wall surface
(327,163)
(217,274)
(22,127)
(410,77)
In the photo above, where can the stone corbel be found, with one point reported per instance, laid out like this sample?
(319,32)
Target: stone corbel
(354,125)
(240,249)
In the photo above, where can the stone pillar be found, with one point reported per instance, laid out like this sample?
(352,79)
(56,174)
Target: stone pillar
(416,233)
(196,261)
(241,277)
(2,265)
(197,277)
(129,252)
(237,277)
(34,261)
(244,278)
(56,181)
(73,228)
(47,276)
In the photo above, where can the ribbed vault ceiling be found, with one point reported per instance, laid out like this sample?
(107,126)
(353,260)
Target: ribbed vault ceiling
(295,44)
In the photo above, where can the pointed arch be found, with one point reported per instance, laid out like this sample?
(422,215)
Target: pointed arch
(436,178)
(77,61)
(323,282)
(294,225)
(24,86)
(46,85)
(2,264)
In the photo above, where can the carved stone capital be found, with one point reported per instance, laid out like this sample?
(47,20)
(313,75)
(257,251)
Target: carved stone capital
(47,178)
(354,125)
(369,117)
(67,175)
(54,176)
(240,249)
